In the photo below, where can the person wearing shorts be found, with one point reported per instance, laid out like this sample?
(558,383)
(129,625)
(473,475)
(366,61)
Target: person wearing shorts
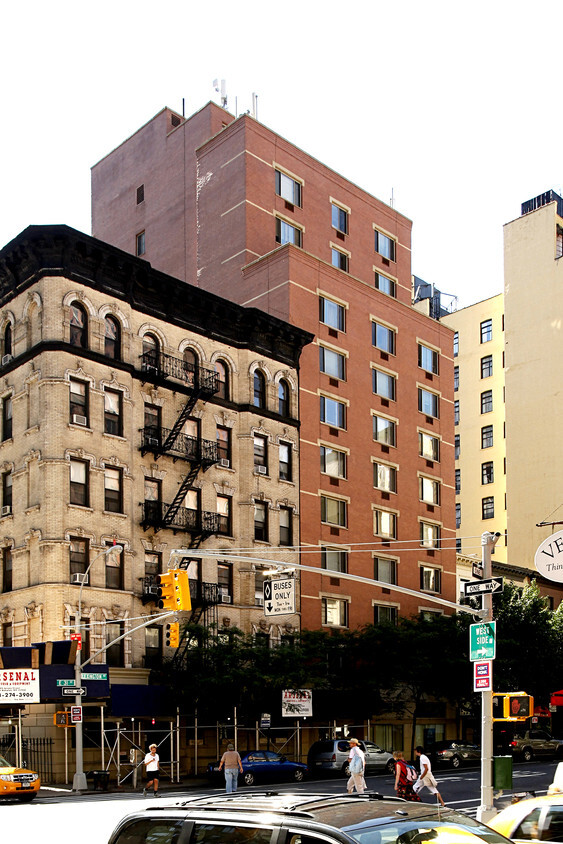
(152,769)
(426,778)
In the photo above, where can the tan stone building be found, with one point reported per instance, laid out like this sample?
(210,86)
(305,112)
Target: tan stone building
(139,410)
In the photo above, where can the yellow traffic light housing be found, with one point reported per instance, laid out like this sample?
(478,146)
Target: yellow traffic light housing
(172,634)
(518,706)
(167,591)
(62,719)
(184,590)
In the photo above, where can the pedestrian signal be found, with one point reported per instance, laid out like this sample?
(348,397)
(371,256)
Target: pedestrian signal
(518,707)
(173,634)
(62,719)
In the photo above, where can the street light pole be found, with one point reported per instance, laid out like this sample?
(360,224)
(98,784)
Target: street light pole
(486,810)
(79,781)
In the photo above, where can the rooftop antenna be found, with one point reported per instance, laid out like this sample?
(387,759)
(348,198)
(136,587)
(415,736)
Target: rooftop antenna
(255,106)
(222,90)
(392,200)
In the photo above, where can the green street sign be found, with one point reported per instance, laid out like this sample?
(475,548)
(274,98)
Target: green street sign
(65,682)
(93,676)
(483,640)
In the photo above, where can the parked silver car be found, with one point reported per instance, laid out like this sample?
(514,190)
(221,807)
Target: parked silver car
(331,756)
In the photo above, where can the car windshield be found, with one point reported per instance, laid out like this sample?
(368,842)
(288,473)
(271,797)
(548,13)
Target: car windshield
(4,763)
(448,828)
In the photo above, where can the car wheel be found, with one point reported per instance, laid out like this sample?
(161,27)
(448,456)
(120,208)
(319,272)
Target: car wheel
(298,775)
(346,769)
(390,766)
(527,754)
(248,778)
(456,762)
(26,798)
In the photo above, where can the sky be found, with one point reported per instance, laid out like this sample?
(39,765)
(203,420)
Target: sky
(451,109)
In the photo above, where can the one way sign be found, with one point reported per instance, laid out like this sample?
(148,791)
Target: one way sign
(482,587)
(279,597)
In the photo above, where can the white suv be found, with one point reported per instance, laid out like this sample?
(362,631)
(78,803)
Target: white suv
(331,755)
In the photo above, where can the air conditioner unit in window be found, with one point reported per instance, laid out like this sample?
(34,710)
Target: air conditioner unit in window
(226,464)
(6,359)
(226,599)
(79,420)
(262,470)
(6,509)
(259,601)
(79,579)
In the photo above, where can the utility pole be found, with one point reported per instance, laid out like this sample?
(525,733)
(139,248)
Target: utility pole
(486,810)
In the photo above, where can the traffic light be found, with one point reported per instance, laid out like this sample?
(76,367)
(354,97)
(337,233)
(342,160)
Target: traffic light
(168,595)
(184,590)
(173,634)
(518,707)
(62,719)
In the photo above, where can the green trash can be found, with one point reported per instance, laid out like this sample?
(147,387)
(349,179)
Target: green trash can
(502,772)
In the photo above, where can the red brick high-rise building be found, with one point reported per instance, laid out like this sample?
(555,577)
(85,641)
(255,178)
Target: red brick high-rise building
(230,206)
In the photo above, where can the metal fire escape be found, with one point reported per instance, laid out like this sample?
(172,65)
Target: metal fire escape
(201,383)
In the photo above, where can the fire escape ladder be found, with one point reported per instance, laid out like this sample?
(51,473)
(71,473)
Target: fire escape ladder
(180,495)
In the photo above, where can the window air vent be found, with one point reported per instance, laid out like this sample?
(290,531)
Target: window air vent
(261,470)
(226,599)
(80,420)
(79,579)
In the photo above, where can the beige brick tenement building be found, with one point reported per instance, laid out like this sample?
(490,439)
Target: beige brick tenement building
(138,409)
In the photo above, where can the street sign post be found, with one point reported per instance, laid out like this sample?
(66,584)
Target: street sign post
(279,596)
(74,691)
(483,587)
(482,640)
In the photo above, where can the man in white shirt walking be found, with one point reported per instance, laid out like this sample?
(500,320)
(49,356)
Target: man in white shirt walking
(357,764)
(426,778)
(152,769)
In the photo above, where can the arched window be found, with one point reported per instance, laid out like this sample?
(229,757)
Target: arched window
(8,339)
(222,379)
(190,366)
(78,326)
(283,398)
(151,350)
(112,340)
(259,389)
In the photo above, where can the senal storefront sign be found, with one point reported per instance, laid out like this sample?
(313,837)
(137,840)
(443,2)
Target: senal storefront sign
(19,685)
(549,557)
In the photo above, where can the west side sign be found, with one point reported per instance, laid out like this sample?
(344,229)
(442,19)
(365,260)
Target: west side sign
(19,685)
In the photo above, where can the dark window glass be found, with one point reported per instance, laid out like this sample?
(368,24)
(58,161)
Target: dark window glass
(78,326)
(78,408)
(112,339)
(487,401)
(487,366)
(334,559)
(224,513)
(7,418)
(7,570)
(487,472)
(386,285)
(8,339)
(113,496)
(224,443)
(79,483)
(140,245)
(78,556)
(259,389)
(222,380)
(283,398)
(114,652)
(285,461)
(261,521)
(114,571)
(488,507)
(225,581)
(286,526)
(487,436)
(112,413)
(486,330)
(385,246)
(339,219)
(288,188)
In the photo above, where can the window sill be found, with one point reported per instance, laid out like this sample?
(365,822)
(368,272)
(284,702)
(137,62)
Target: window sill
(76,427)
(115,436)
(81,507)
(114,513)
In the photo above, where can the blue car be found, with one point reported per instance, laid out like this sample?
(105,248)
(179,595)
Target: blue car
(263,765)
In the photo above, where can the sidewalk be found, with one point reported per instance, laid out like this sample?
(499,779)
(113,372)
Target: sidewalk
(166,789)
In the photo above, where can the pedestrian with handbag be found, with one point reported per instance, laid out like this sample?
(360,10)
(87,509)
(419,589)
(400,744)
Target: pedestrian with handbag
(405,777)
(357,765)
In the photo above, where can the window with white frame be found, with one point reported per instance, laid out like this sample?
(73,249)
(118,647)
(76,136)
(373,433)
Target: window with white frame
(333,412)
(385,614)
(339,259)
(385,245)
(285,462)
(428,446)
(333,511)
(430,579)
(383,338)
(334,612)
(429,535)
(334,559)
(385,524)
(428,359)
(332,313)
(385,477)
(333,462)
(384,384)
(384,430)
(286,233)
(288,188)
(429,489)
(385,285)
(339,218)
(332,363)
(385,570)
(428,403)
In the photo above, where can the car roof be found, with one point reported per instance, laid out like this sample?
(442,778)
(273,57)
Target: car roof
(338,810)
(520,809)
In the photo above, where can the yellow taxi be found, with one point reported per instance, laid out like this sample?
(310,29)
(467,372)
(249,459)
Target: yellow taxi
(18,782)
(536,819)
